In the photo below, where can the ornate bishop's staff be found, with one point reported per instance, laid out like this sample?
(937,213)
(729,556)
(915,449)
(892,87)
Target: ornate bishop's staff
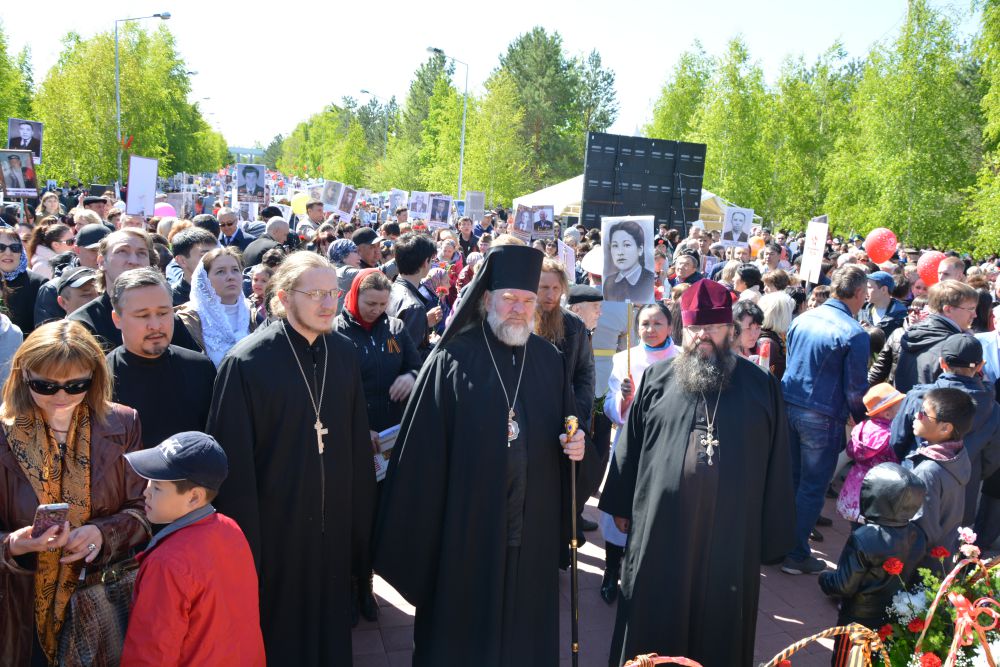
(572,424)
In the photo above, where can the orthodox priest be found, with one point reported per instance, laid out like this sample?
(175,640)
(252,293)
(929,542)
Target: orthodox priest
(701,481)
(469,528)
(289,409)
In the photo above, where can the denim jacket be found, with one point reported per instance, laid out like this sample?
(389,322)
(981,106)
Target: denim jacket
(827,364)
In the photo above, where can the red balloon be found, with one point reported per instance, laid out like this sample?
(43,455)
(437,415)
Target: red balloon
(927,266)
(880,245)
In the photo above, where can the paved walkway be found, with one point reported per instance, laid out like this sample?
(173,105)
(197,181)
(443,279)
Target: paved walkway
(791,608)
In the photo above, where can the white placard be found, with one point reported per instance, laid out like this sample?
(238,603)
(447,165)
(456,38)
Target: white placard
(815,244)
(140,198)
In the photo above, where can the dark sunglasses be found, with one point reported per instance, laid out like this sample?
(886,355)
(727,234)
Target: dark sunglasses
(921,415)
(47,388)
(13,247)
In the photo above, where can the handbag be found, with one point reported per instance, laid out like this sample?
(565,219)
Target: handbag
(93,633)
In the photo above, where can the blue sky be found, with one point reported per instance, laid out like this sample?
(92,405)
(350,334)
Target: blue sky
(308,55)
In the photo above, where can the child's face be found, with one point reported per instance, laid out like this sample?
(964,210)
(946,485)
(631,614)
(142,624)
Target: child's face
(890,412)
(165,504)
(928,427)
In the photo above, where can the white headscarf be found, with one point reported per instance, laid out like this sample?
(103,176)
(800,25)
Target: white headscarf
(217,331)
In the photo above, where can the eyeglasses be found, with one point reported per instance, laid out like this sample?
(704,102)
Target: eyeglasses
(49,388)
(971,309)
(13,247)
(318,295)
(921,415)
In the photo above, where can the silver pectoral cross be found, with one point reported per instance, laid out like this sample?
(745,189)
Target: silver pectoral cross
(320,432)
(709,442)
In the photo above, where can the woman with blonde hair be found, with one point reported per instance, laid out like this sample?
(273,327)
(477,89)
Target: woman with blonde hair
(217,316)
(61,441)
(778,309)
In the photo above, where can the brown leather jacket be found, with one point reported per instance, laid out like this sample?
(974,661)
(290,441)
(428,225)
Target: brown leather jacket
(114,488)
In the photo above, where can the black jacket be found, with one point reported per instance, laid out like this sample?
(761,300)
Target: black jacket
(920,351)
(884,367)
(578,361)
(379,365)
(890,496)
(256,250)
(241,240)
(20,295)
(406,303)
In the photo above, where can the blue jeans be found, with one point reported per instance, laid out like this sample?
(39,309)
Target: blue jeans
(816,441)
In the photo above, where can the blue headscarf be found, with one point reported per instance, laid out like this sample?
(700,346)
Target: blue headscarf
(22,266)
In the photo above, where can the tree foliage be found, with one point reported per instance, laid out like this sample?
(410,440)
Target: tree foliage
(681,96)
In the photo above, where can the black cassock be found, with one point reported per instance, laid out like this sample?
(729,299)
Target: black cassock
(442,534)
(304,515)
(691,575)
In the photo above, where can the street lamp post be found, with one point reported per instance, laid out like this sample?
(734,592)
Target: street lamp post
(163,16)
(385,147)
(465,103)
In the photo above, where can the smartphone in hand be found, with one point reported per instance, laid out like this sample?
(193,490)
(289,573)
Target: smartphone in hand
(46,516)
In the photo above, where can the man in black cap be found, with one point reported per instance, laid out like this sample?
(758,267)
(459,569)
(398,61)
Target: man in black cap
(586,301)
(149,372)
(367,241)
(961,361)
(76,287)
(98,205)
(47,306)
(471,534)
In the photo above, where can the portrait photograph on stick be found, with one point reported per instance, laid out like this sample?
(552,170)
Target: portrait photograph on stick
(250,183)
(330,195)
(440,208)
(346,205)
(419,205)
(736,226)
(19,179)
(25,135)
(140,198)
(628,259)
(542,218)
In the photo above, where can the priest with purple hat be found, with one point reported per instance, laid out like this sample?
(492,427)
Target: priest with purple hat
(476,500)
(702,482)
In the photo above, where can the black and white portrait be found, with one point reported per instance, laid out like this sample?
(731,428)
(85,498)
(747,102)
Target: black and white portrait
(347,197)
(419,205)
(250,183)
(397,198)
(628,259)
(330,196)
(736,226)
(19,179)
(25,135)
(440,208)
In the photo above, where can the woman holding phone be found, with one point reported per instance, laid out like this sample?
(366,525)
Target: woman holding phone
(61,441)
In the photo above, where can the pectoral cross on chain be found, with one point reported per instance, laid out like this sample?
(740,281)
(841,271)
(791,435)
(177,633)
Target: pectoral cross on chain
(320,432)
(709,442)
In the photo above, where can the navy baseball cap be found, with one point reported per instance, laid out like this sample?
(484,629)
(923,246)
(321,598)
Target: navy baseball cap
(192,456)
(882,279)
(962,351)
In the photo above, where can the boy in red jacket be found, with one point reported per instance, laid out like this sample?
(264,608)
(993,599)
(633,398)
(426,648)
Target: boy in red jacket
(195,599)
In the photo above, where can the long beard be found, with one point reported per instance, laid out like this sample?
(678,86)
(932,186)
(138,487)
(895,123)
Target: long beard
(513,334)
(710,373)
(551,326)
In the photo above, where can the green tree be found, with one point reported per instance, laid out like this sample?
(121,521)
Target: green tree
(681,96)
(985,195)
(494,155)
(273,152)
(418,98)
(914,142)
(738,162)
(15,82)
(441,139)
(596,98)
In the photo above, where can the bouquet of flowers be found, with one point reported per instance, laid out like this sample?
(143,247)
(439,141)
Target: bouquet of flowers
(923,632)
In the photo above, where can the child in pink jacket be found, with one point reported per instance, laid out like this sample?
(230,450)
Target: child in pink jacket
(869,445)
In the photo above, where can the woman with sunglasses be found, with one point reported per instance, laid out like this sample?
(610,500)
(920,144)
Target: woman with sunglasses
(48,239)
(61,441)
(18,286)
(218,315)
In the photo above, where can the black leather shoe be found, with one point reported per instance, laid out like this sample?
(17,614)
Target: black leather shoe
(609,586)
(823,522)
(816,536)
(585,524)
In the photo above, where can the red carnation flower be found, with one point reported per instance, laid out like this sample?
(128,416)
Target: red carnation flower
(940,553)
(916,625)
(929,660)
(785,663)
(885,632)
(893,566)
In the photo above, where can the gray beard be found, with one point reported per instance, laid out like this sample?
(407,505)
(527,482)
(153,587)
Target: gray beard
(698,374)
(514,335)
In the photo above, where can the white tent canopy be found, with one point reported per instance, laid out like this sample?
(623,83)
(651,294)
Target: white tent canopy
(563,197)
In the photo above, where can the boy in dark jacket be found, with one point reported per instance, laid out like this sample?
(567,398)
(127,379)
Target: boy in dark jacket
(890,496)
(195,599)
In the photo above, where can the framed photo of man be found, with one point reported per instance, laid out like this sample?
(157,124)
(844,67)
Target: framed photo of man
(397,198)
(18,173)
(475,204)
(542,222)
(736,226)
(250,183)
(628,258)
(440,208)
(346,205)
(25,135)
(523,220)
(420,205)
(330,195)
(140,199)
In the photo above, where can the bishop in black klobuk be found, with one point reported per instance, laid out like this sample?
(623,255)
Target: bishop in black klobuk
(289,410)
(701,479)
(469,528)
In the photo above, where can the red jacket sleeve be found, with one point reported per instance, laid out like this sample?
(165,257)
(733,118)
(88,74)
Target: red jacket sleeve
(160,613)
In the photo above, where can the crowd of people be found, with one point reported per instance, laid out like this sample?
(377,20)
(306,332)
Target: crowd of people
(238,382)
